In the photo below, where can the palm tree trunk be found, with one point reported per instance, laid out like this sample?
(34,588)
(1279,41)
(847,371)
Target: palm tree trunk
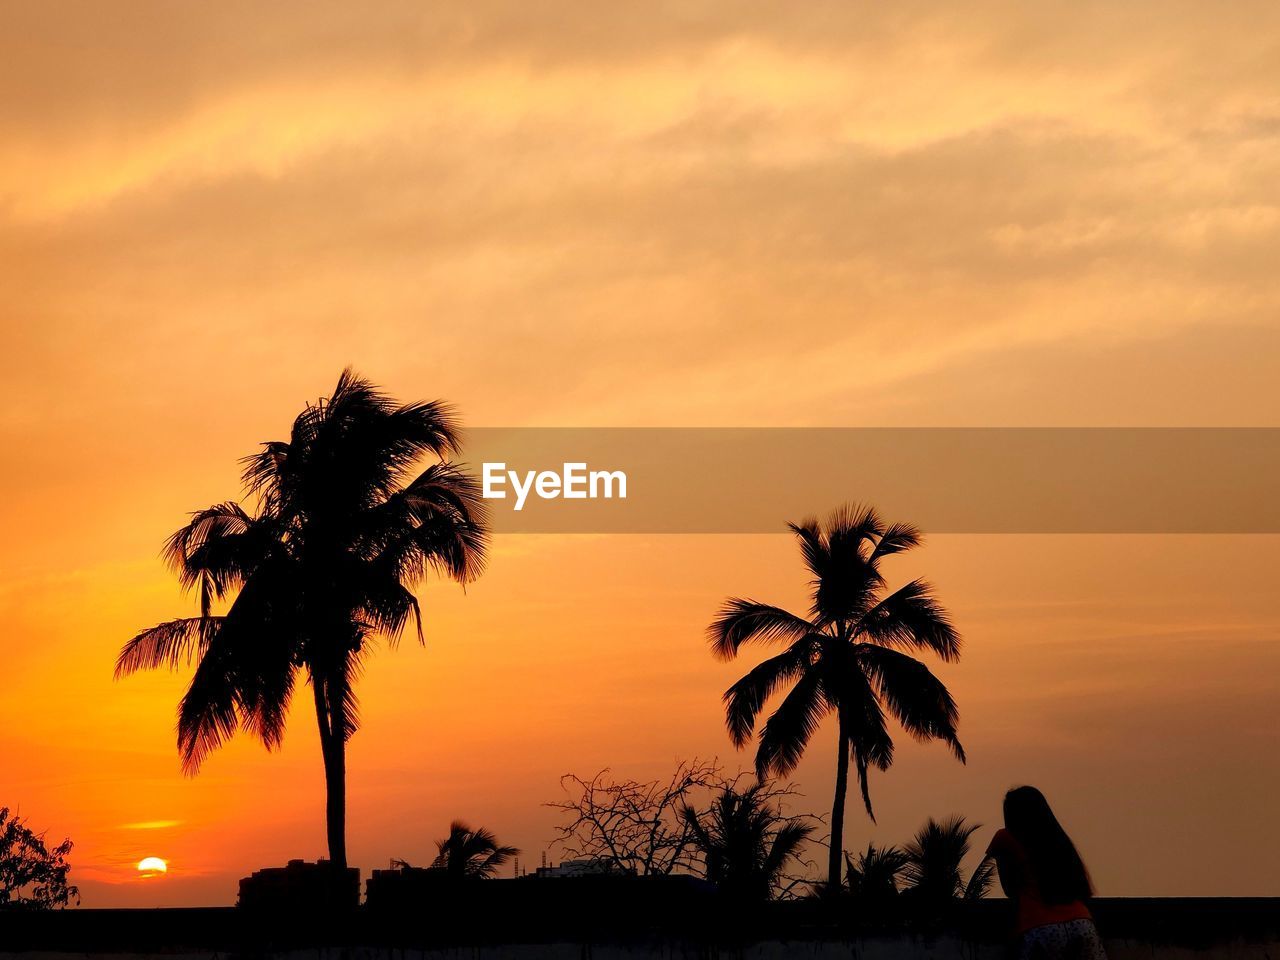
(335,812)
(837,812)
(333,749)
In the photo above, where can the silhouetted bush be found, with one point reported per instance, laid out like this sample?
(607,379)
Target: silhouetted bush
(33,875)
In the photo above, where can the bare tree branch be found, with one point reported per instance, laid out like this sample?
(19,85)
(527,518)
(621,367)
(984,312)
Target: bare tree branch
(662,827)
(636,826)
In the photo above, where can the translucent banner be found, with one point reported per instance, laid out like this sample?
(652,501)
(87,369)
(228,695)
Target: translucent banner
(944,480)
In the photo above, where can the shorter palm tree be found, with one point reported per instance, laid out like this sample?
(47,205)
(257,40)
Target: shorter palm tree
(848,657)
(875,875)
(471,854)
(935,858)
(747,842)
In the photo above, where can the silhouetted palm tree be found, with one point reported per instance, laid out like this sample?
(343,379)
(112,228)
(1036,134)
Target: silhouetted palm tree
(935,860)
(345,524)
(874,875)
(841,659)
(471,854)
(746,842)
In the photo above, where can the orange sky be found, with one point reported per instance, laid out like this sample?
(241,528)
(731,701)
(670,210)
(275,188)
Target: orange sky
(686,215)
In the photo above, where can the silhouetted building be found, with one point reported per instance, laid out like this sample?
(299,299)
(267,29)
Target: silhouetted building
(301,887)
(403,886)
(579,868)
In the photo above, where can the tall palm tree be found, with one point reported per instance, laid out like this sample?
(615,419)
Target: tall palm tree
(344,523)
(935,859)
(746,841)
(471,854)
(845,657)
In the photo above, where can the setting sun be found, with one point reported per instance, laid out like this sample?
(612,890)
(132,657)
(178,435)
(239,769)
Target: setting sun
(152,865)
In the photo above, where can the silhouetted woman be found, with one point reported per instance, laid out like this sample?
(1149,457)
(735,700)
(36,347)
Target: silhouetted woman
(1042,873)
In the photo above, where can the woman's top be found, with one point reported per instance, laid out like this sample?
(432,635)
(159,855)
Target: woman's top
(1020,883)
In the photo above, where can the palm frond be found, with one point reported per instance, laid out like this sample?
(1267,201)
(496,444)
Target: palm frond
(862,719)
(365,444)
(217,549)
(849,529)
(209,713)
(849,580)
(467,853)
(980,881)
(898,538)
(871,747)
(266,703)
(788,842)
(789,730)
(440,522)
(172,644)
(917,699)
(744,621)
(935,856)
(813,546)
(746,698)
(875,873)
(352,667)
(388,606)
(911,618)
(245,676)
(745,840)
(266,469)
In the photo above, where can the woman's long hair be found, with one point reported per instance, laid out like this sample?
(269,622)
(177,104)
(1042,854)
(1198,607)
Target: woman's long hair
(1056,867)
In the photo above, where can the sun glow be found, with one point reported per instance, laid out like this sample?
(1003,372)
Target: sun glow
(150,825)
(152,866)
